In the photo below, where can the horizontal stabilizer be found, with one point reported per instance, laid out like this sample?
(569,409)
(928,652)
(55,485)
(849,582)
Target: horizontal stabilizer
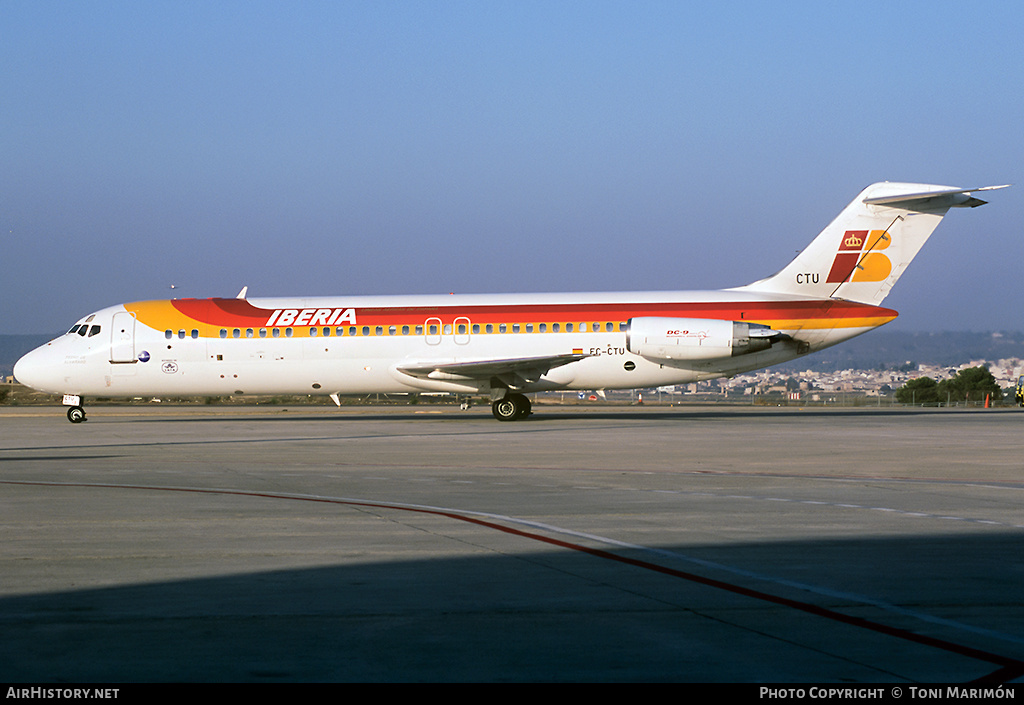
(951,198)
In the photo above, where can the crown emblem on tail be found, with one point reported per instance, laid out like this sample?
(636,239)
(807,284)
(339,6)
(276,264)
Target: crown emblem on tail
(853,241)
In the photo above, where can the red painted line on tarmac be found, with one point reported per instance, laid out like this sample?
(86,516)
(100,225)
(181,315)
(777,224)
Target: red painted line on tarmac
(1009,668)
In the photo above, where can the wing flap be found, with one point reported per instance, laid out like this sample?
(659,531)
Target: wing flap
(514,371)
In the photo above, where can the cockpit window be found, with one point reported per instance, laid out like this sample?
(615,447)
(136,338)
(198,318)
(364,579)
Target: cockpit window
(84,329)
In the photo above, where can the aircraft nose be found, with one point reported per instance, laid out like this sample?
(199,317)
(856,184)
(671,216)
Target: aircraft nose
(35,369)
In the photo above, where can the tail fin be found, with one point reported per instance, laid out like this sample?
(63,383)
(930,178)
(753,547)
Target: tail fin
(862,253)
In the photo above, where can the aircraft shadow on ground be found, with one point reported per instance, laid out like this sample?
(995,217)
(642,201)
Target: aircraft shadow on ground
(544,615)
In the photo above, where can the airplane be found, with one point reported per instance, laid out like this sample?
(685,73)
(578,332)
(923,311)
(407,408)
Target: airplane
(504,346)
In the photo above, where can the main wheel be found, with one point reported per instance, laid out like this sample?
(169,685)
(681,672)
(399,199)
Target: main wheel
(525,408)
(505,409)
(76,414)
(511,408)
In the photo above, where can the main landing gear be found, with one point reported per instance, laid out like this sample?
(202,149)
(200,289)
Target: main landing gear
(512,408)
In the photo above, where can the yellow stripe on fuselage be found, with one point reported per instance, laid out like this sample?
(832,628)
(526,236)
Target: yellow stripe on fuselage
(827,323)
(161,315)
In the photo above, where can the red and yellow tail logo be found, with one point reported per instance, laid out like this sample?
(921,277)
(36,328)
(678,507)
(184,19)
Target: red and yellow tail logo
(859,258)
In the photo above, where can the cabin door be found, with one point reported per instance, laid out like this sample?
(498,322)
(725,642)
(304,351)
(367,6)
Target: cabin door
(122,339)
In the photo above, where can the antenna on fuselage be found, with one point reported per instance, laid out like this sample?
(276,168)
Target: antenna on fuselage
(241,294)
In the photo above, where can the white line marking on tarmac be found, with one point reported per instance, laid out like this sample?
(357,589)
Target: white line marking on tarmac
(826,592)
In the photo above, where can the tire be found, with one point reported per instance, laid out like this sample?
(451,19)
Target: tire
(525,407)
(507,409)
(76,414)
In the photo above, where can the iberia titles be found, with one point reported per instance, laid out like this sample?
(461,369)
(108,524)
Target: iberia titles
(311,317)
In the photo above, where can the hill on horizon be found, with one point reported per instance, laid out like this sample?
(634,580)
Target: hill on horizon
(881,349)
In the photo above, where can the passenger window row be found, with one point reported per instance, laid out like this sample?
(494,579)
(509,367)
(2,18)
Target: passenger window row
(432,329)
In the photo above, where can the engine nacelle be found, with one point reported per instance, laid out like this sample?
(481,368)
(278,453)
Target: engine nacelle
(696,338)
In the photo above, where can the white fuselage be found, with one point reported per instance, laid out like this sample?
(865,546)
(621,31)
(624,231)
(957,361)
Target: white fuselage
(206,347)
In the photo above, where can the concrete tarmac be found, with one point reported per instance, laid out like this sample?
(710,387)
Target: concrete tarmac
(724,544)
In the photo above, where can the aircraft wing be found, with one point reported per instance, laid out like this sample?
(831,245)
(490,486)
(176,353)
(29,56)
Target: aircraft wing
(514,371)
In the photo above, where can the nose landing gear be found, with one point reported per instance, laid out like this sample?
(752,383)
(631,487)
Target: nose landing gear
(76,412)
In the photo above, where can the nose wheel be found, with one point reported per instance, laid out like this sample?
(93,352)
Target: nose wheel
(76,414)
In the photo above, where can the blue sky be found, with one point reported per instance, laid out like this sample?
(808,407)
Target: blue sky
(316,148)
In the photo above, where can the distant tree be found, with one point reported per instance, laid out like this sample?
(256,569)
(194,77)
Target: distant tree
(923,390)
(972,384)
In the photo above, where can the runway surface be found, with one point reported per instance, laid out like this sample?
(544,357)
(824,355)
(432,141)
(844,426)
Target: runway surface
(583,544)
